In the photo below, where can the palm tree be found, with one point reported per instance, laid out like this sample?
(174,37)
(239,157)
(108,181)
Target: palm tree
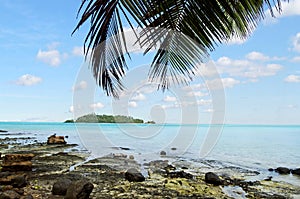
(205,22)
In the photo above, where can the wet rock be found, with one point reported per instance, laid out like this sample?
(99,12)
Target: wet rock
(131,157)
(54,139)
(180,174)
(270,169)
(17,162)
(269,178)
(19,181)
(80,189)
(173,148)
(133,175)
(163,153)
(3,131)
(125,148)
(10,194)
(296,171)
(170,168)
(61,186)
(283,170)
(213,178)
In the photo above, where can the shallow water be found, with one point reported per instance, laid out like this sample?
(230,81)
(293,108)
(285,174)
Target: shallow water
(254,147)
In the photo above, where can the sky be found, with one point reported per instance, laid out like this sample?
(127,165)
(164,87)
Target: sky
(44,78)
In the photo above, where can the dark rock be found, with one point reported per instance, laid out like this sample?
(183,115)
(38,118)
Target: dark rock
(19,181)
(80,189)
(213,178)
(173,148)
(180,174)
(3,131)
(125,148)
(133,175)
(296,171)
(163,153)
(10,194)
(269,178)
(270,169)
(18,157)
(283,170)
(184,167)
(61,186)
(54,139)
(170,168)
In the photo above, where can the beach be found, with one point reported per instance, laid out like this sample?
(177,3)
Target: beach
(166,175)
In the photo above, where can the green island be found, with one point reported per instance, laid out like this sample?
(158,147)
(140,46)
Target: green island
(93,118)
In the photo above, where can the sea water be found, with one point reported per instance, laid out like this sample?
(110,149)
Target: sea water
(256,147)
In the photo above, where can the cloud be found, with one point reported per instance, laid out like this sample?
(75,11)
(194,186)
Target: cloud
(170,99)
(296,43)
(296,59)
(78,51)
(97,105)
(292,79)
(132,104)
(71,109)
(138,97)
(257,56)
(247,68)
(80,86)
(28,80)
(289,8)
(222,83)
(51,57)
(197,94)
(235,40)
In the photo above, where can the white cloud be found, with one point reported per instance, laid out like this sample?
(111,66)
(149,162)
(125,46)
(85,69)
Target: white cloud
(296,59)
(197,94)
(169,99)
(246,68)
(290,8)
(236,40)
(292,79)
(138,97)
(257,56)
(222,83)
(71,109)
(97,105)
(132,104)
(80,86)
(78,51)
(51,57)
(28,80)
(296,42)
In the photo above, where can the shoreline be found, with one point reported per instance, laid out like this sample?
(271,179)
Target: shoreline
(173,179)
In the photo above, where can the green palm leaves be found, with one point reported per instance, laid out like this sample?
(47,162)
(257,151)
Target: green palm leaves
(184,31)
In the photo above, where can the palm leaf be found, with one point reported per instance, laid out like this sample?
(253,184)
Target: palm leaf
(184,30)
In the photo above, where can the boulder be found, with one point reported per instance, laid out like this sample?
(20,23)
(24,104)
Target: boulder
(15,181)
(54,139)
(163,153)
(17,162)
(61,186)
(296,171)
(3,131)
(133,175)
(80,189)
(180,174)
(213,178)
(10,194)
(283,170)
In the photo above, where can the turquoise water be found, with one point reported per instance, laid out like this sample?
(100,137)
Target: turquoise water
(256,147)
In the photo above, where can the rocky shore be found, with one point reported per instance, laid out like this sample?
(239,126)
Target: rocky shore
(57,171)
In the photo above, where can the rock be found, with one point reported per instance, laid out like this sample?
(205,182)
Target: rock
(10,194)
(173,148)
(19,181)
(28,196)
(125,148)
(133,175)
(163,153)
(54,139)
(180,174)
(269,178)
(270,169)
(61,186)
(170,168)
(213,178)
(80,189)
(283,170)
(17,162)
(296,171)
(131,157)
(3,131)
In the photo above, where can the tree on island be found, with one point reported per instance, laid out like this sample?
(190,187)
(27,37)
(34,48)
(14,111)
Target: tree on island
(93,118)
(205,22)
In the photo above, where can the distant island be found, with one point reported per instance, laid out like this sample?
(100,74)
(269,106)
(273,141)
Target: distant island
(93,118)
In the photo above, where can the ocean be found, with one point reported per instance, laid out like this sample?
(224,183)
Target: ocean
(254,147)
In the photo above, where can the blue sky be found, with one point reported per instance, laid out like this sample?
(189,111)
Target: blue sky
(40,64)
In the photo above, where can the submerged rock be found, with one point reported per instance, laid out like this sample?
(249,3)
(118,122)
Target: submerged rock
(163,153)
(213,178)
(296,171)
(283,170)
(80,189)
(133,175)
(3,131)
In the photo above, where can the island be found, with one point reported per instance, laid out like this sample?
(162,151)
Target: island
(93,118)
